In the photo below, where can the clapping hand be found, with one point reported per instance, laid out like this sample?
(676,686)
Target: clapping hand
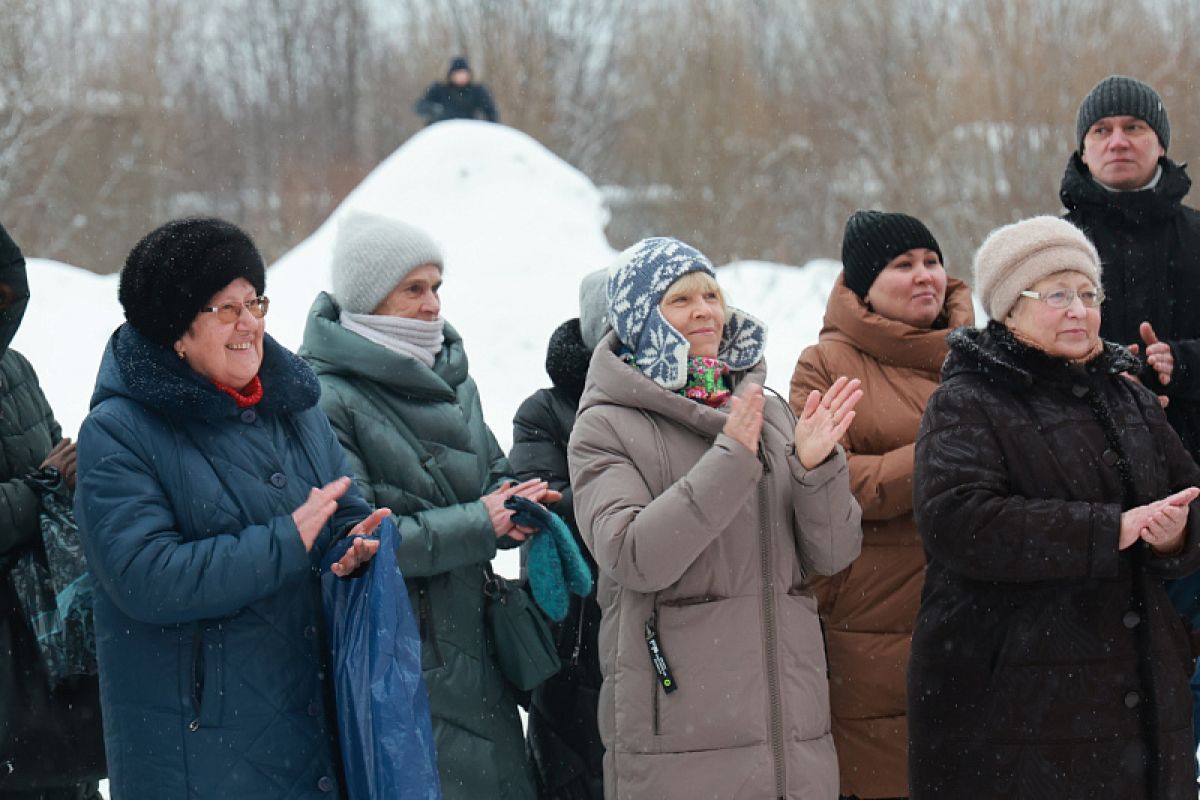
(745,420)
(1161,523)
(824,420)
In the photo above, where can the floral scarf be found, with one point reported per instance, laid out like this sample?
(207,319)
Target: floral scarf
(707,381)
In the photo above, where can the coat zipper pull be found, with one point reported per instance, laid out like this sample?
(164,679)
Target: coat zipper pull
(578,635)
(658,659)
(762,457)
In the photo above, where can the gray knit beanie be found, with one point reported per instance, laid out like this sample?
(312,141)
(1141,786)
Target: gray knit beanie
(1015,257)
(593,308)
(1120,95)
(372,255)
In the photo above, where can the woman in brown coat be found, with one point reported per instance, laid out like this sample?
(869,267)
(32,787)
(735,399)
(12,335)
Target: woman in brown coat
(705,515)
(886,324)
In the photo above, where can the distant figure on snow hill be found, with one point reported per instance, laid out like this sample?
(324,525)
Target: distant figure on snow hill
(459,97)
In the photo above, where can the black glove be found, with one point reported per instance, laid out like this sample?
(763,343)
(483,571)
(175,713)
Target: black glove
(527,513)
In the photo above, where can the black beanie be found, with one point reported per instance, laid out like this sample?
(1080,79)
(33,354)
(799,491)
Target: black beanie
(176,269)
(1119,95)
(457,63)
(872,239)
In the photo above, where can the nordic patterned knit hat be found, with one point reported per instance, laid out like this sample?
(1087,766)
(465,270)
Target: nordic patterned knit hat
(1120,95)
(637,283)
(372,255)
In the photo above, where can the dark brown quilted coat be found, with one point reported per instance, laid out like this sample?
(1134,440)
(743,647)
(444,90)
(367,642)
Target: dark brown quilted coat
(1046,663)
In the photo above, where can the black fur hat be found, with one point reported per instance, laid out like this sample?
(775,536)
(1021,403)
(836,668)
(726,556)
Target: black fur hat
(176,268)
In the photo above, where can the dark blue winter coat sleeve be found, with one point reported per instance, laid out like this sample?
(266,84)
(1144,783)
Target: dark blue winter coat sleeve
(135,549)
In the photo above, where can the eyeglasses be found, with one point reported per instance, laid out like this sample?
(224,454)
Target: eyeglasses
(229,312)
(1062,298)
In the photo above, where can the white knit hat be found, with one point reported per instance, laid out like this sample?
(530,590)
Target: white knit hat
(372,255)
(1017,256)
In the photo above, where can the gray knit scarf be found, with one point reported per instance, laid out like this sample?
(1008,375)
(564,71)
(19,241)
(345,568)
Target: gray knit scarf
(414,338)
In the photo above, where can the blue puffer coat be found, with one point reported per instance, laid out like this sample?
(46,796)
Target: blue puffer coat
(208,614)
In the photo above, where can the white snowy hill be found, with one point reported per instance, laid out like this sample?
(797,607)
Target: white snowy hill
(519,228)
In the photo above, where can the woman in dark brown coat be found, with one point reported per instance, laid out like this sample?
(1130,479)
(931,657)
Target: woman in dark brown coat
(886,324)
(1053,500)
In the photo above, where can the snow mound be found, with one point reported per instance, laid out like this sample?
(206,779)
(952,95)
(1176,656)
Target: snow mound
(519,229)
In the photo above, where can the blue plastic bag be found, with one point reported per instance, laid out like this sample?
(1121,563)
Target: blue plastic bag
(384,729)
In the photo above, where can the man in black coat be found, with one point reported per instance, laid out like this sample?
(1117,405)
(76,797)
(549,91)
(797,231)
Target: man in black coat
(1124,192)
(459,97)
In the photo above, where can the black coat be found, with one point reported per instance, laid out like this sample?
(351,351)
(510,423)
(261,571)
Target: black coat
(46,741)
(1149,245)
(563,736)
(1045,662)
(444,101)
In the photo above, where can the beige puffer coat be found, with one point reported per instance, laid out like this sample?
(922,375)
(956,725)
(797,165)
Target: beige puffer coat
(708,545)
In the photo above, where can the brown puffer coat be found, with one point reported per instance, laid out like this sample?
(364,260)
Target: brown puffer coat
(709,544)
(869,609)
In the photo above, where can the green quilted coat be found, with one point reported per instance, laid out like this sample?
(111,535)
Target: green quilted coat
(391,413)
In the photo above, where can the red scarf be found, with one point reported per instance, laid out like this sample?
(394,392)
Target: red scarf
(252,397)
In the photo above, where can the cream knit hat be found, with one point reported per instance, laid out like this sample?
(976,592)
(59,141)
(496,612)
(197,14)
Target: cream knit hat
(372,255)
(1017,256)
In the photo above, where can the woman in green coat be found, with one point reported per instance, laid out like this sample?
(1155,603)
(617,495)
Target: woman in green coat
(395,385)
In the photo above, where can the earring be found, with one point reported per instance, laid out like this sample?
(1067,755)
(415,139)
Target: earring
(180,354)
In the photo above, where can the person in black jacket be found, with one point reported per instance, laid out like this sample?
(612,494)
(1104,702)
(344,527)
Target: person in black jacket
(1124,192)
(562,736)
(50,740)
(1053,499)
(459,97)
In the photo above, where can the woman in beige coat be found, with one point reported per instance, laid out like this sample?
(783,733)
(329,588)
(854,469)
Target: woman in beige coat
(706,512)
(886,324)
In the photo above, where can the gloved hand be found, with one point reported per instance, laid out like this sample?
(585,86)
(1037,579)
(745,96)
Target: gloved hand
(553,563)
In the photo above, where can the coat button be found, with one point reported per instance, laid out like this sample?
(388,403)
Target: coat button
(314,709)
(1132,699)
(1110,457)
(194,725)
(310,632)
(249,416)
(278,480)
(325,784)
(1131,619)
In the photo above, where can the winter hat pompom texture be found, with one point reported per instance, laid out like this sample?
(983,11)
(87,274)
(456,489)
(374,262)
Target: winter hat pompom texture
(1015,257)
(175,270)
(872,239)
(1118,96)
(372,254)
(637,282)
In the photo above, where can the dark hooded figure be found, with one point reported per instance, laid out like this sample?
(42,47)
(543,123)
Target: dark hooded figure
(458,97)
(563,736)
(42,751)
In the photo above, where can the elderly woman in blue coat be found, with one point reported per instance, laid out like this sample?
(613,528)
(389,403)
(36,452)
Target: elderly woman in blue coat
(210,485)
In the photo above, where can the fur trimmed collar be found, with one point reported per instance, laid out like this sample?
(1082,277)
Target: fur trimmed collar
(994,351)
